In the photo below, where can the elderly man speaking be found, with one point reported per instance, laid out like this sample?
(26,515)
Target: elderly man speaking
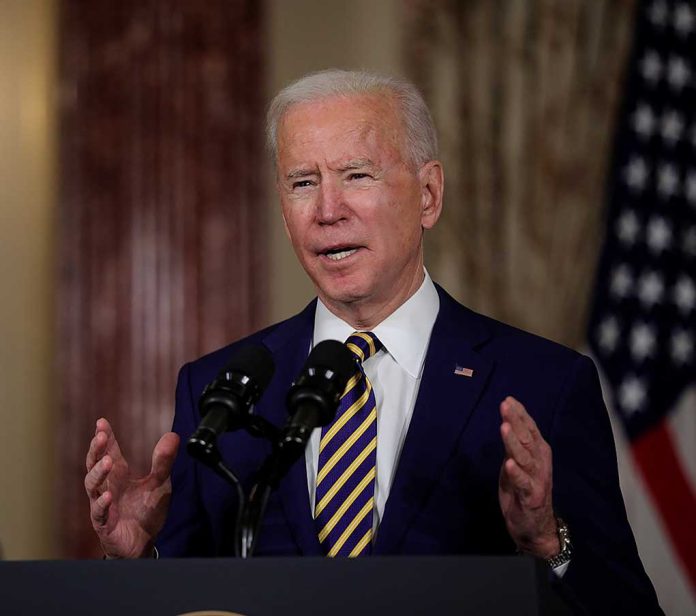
(468,436)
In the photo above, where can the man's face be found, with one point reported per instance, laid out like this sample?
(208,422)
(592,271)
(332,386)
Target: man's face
(354,205)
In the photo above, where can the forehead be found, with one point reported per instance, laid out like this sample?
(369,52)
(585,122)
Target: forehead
(339,127)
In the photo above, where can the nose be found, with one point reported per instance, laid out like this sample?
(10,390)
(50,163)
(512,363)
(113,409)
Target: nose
(331,207)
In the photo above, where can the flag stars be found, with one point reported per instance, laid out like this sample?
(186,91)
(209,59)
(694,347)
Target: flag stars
(667,180)
(632,395)
(681,347)
(644,121)
(659,234)
(671,127)
(642,342)
(643,327)
(650,289)
(657,13)
(651,67)
(628,227)
(636,174)
(608,334)
(678,72)
(685,294)
(683,19)
(621,281)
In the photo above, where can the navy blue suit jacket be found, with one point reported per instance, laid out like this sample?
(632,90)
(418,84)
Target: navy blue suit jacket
(444,497)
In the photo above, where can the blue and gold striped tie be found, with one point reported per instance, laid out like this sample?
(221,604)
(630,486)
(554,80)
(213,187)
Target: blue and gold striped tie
(347,458)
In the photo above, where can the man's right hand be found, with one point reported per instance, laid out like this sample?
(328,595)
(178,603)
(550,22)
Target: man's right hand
(127,512)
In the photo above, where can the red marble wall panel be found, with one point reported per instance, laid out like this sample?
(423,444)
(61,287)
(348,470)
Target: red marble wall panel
(161,217)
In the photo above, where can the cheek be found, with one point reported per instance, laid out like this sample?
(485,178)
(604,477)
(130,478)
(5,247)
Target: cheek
(297,239)
(401,225)
(404,241)
(294,224)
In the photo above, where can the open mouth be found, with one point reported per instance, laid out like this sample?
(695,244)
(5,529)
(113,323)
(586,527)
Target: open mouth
(338,252)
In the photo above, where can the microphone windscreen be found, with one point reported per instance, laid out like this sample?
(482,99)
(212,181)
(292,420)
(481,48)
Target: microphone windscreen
(253,361)
(333,355)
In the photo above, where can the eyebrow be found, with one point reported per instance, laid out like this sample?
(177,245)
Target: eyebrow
(299,173)
(357,163)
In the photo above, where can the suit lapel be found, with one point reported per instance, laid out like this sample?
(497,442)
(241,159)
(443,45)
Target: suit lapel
(444,404)
(289,344)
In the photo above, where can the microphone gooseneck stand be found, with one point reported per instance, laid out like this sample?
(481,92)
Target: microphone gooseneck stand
(249,524)
(312,402)
(287,449)
(208,453)
(251,509)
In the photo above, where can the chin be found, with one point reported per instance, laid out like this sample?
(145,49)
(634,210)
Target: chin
(343,292)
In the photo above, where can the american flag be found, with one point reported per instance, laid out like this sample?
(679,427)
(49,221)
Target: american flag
(643,324)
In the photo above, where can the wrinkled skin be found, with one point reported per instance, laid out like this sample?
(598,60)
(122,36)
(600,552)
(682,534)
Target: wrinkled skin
(127,512)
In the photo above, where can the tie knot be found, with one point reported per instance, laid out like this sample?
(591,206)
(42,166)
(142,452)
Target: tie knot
(363,345)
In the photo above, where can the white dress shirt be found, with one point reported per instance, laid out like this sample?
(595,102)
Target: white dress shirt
(395,373)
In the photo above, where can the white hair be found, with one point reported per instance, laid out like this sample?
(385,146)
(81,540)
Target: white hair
(421,138)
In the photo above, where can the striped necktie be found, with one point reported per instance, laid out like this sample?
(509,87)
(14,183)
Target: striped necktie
(347,456)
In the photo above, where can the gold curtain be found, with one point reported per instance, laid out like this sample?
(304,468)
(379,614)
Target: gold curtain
(161,214)
(524,94)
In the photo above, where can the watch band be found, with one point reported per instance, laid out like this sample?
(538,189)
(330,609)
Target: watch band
(566,546)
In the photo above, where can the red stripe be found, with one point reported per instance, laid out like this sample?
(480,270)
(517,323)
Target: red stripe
(671,491)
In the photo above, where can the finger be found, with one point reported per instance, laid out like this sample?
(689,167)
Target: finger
(97,447)
(514,412)
(515,449)
(517,478)
(529,435)
(95,478)
(163,456)
(99,511)
(111,443)
(104,426)
(525,415)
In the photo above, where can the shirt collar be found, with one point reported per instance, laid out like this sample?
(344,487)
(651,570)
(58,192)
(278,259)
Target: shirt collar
(405,333)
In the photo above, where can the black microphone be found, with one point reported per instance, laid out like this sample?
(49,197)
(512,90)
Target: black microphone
(312,401)
(313,398)
(225,403)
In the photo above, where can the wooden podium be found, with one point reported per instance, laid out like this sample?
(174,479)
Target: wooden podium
(271,586)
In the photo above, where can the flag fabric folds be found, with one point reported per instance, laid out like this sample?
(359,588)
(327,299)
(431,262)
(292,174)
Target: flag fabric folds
(643,324)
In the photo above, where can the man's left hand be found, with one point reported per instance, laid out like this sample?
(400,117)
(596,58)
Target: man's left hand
(525,483)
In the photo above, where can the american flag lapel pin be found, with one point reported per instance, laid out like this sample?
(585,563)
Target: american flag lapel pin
(460,371)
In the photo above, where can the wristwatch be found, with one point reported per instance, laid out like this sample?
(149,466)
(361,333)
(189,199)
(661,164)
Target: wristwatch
(566,547)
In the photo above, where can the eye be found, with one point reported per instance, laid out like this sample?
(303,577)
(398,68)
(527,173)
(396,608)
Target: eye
(301,184)
(359,176)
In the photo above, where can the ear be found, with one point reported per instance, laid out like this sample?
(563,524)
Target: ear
(432,182)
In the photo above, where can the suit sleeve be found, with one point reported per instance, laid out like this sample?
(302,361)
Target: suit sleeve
(186,531)
(605,574)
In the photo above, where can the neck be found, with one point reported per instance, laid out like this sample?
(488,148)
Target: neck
(366,314)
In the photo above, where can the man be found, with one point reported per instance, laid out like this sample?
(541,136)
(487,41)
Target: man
(467,411)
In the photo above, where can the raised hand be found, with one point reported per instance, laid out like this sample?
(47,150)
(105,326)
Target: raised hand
(127,513)
(525,483)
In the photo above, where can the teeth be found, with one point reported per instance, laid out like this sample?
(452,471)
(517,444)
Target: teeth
(337,256)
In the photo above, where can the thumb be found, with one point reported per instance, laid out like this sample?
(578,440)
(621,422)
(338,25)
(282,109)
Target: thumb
(163,456)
